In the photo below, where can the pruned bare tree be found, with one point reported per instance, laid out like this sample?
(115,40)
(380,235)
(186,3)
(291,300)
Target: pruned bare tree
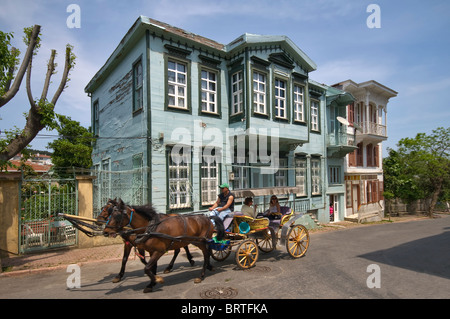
(41,113)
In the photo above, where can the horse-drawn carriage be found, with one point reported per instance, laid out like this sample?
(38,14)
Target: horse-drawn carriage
(251,235)
(146,230)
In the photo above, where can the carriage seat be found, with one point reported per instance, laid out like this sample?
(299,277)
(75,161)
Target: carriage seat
(229,219)
(284,210)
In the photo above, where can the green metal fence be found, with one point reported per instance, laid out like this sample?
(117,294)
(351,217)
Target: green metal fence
(41,200)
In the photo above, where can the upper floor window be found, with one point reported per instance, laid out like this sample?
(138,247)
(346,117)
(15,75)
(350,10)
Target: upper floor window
(314,115)
(177,84)
(209,91)
(259,93)
(281,174)
(95,118)
(280,98)
(237,93)
(299,111)
(137,86)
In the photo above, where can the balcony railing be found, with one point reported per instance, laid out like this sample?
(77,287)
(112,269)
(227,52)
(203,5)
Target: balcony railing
(372,128)
(340,139)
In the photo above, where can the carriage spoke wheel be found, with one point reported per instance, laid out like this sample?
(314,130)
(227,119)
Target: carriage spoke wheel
(297,241)
(247,254)
(267,243)
(221,255)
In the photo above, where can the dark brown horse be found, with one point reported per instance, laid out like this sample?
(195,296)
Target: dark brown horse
(129,239)
(173,232)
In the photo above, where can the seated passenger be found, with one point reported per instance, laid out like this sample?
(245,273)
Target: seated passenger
(247,208)
(224,204)
(274,211)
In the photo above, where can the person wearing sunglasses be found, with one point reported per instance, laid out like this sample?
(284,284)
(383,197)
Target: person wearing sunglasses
(274,211)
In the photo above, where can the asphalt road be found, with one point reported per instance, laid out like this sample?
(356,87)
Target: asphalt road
(386,261)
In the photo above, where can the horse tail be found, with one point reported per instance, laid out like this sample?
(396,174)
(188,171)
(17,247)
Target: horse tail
(220,228)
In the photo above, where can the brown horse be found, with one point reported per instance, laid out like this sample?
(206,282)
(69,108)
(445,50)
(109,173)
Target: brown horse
(129,239)
(166,234)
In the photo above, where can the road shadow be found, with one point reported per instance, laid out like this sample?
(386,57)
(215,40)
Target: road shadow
(430,255)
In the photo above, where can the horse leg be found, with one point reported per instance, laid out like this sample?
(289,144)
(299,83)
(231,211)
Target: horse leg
(141,255)
(189,256)
(170,266)
(149,268)
(126,252)
(206,263)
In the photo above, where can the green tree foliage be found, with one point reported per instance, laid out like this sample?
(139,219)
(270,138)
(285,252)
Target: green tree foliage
(73,148)
(420,168)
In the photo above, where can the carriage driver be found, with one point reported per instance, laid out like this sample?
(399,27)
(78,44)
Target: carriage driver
(224,204)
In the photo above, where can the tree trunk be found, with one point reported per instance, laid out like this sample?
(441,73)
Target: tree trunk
(434,198)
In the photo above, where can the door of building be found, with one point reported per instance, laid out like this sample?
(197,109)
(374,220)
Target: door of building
(355,198)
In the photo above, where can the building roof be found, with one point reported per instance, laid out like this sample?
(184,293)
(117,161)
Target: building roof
(37,167)
(371,85)
(158,28)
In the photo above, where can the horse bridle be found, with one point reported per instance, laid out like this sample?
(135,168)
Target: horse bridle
(123,214)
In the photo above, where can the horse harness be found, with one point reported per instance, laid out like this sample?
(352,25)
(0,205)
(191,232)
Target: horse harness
(151,230)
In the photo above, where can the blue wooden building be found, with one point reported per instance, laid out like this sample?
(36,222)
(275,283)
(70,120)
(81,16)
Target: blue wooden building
(176,114)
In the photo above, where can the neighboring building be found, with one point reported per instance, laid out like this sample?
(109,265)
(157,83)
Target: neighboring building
(364,166)
(164,87)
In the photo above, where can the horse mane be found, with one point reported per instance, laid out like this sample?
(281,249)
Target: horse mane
(147,211)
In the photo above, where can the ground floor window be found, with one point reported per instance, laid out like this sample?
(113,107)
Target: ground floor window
(209,171)
(180,193)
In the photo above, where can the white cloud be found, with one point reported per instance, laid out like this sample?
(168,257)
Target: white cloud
(356,69)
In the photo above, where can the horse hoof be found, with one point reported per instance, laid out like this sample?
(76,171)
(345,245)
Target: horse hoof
(117,279)
(192,262)
(167,270)
(147,289)
(159,279)
(197,280)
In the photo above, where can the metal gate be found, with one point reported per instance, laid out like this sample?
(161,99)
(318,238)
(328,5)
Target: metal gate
(41,200)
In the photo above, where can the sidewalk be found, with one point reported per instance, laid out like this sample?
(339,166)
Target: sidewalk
(60,258)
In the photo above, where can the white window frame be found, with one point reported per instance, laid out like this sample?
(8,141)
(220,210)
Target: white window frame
(209,172)
(241,177)
(179,185)
(281,174)
(315,115)
(280,98)
(237,93)
(209,91)
(300,175)
(259,93)
(299,108)
(179,92)
(315,176)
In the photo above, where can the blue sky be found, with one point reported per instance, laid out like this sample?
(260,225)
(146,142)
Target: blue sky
(410,53)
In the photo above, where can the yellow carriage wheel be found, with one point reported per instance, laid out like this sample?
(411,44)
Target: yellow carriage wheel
(297,241)
(247,254)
